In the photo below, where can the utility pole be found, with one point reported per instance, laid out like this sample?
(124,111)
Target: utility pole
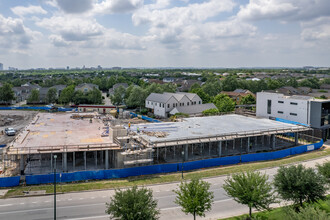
(55,156)
(182,163)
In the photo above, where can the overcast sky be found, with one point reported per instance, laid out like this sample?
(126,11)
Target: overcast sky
(164,33)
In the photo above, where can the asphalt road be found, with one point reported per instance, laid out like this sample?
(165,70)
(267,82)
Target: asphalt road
(91,205)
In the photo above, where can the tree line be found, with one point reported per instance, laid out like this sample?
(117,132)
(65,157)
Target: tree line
(297,184)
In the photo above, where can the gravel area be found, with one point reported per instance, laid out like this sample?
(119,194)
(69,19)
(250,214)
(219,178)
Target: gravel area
(14,119)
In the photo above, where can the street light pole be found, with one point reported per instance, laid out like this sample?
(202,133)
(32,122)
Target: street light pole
(55,156)
(182,164)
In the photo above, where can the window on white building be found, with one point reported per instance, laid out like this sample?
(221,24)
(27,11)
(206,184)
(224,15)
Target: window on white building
(294,114)
(293,103)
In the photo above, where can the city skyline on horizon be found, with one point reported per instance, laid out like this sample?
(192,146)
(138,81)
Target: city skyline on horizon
(164,33)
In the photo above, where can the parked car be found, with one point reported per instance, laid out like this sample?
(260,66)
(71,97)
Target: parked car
(10,131)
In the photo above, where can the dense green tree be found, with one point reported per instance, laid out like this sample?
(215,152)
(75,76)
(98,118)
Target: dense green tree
(133,204)
(136,98)
(212,111)
(299,184)
(195,86)
(224,103)
(312,83)
(6,93)
(200,92)
(67,95)
(251,189)
(34,96)
(248,100)
(51,95)
(94,96)
(154,88)
(212,88)
(324,170)
(194,197)
(230,83)
(118,96)
(80,98)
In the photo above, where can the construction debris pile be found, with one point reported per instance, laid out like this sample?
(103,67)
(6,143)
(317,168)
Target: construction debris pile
(159,134)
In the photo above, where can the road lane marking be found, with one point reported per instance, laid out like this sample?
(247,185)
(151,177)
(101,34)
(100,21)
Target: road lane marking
(178,207)
(92,197)
(69,199)
(51,208)
(92,217)
(6,205)
(34,202)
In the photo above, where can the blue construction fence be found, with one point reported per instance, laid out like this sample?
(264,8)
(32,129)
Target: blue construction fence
(145,117)
(157,169)
(290,122)
(60,109)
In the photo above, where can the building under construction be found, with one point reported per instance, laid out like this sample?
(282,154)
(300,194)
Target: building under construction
(90,141)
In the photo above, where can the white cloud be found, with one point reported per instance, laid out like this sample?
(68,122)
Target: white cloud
(13,33)
(285,10)
(178,25)
(72,28)
(32,9)
(117,6)
(317,29)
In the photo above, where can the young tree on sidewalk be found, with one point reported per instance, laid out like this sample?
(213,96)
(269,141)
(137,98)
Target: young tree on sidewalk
(194,197)
(133,204)
(251,189)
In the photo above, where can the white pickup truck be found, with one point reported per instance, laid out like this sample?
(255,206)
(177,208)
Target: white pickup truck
(10,131)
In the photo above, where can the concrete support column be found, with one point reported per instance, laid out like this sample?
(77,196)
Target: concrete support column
(74,161)
(272,137)
(248,144)
(101,155)
(296,138)
(21,164)
(186,152)
(106,159)
(263,140)
(219,148)
(51,162)
(65,161)
(95,158)
(201,149)
(157,152)
(210,145)
(165,153)
(85,160)
(174,151)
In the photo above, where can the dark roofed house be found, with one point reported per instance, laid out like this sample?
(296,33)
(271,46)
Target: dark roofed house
(59,89)
(186,84)
(117,85)
(86,87)
(237,94)
(288,90)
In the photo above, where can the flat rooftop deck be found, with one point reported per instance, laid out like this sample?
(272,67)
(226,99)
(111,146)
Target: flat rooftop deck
(213,128)
(57,131)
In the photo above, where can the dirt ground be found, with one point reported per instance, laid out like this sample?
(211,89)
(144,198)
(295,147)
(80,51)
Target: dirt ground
(14,119)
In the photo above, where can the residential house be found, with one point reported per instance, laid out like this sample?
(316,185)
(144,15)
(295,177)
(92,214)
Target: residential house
(186,84)
(117,85)
(168,80)
(237,94)
(59,89)
(86,87)
(162,104)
